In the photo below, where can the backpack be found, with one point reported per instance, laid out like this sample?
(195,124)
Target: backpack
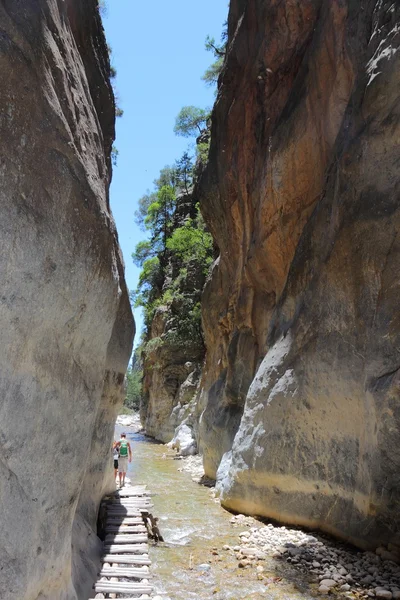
(123,448)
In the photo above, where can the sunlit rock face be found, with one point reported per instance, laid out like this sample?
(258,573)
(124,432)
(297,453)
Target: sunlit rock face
(66,322)
(300,393)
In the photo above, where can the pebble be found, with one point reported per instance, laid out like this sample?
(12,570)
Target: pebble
(326,562)
(243,563)
(345,587)
(328,583)
(260,569)
(204,567)
(382,593)
(245,534)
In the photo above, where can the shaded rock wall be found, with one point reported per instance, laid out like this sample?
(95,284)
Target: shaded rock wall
(171,377)
(174,350)
(65,317)
(300,390)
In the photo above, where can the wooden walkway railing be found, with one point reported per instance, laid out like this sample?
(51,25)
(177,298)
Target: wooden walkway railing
(128,525)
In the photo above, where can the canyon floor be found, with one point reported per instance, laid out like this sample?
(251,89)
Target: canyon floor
(237,557)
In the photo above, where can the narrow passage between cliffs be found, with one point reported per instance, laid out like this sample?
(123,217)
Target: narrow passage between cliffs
(209,553)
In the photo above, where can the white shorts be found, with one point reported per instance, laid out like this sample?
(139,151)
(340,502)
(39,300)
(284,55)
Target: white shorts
(123,464)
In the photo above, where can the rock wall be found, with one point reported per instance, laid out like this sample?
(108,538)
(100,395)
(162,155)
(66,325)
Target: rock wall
(299,402)
(170,381)
(174,350)
(65,317)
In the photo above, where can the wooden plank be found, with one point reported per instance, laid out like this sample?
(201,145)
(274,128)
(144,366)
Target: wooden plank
(138,490)
(118,497)
(130,504)
(126,538)
(126,529)
(128,548)
(122,512)
(111,508)
(111,587)
(130,573)
(135,486)
(129,499)
(128,522)
(122,508)
(122,521)
(126,559)
(125,513)
(134,505)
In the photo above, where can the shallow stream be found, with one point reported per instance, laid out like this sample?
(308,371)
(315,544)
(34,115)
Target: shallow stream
(191,563)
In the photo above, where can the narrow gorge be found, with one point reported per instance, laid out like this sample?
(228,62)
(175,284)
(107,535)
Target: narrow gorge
(66,320)
(269,291)
(297,410)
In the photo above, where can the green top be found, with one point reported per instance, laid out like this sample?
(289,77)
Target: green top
(123,448)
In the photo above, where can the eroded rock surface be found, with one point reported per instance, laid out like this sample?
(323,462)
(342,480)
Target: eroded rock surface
(170,381)
(300,391)
(65,317)
(174,350)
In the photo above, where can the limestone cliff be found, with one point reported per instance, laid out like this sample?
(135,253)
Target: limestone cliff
(300,393)
(174,349)
(65,317)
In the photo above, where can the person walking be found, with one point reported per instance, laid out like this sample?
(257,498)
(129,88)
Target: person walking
(124,451)
(115,457)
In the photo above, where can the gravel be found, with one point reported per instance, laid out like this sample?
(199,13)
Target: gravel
(332,567)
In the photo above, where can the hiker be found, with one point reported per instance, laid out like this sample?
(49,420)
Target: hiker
(124,449)
(115,457)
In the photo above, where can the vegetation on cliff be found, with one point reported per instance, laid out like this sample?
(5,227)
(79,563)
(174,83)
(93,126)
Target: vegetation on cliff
(175,258)
(134,378)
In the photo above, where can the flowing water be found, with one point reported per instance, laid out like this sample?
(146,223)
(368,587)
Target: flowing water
(191,563)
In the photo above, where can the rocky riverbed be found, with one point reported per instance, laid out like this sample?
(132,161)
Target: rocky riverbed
(130,421)
(331,567)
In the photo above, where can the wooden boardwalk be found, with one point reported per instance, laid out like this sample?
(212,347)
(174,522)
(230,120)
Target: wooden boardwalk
(125,564)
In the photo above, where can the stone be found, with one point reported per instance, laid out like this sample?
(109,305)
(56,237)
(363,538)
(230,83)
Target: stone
(382,593)
(316,564)
(328,583)
(295,551)
(244,534)
(323,589)
(386,555)
(345,587)
(65,316)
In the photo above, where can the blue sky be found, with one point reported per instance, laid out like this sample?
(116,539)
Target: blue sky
(158,52)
